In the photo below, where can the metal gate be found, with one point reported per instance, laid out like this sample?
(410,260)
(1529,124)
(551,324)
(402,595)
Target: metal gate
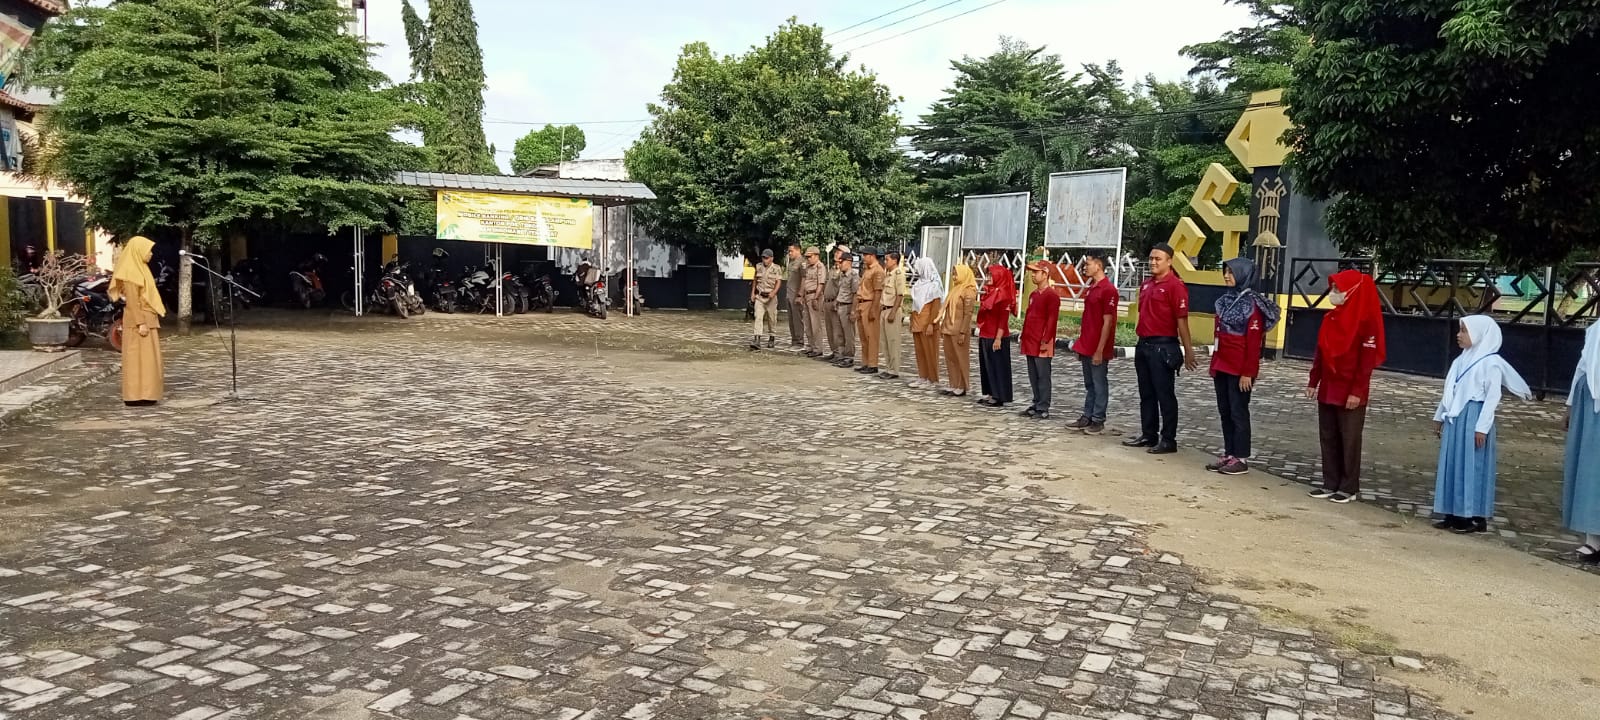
(1542,313)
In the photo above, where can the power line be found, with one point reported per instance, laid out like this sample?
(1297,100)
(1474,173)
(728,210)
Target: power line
(493,121)
(880,17)
(897,22)
(924,27)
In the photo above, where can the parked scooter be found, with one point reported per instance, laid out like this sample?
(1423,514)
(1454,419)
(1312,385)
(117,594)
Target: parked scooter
(592,295)
(307,282)
(541,291)
(630,292)
(397,289)
(93,313)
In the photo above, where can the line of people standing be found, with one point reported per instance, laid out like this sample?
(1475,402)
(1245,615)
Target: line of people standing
(835,305)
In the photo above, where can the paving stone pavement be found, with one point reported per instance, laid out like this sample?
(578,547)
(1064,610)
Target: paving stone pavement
(432,521)
(1400,449)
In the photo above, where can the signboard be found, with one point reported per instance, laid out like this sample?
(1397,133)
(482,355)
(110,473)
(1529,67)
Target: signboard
(515,219)
(995,222)
(1084,209)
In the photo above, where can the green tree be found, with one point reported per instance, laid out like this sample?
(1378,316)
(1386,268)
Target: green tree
(1445,126)
(211,118)
(447,62)
(1181,129)
(549,144)
(780,144)
(1258,57)
(1010,120)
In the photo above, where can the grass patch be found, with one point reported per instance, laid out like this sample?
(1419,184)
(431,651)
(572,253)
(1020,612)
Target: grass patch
(1346,634)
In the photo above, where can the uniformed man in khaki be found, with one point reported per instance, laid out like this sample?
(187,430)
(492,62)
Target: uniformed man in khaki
(868,314)
(795,264)
(764,295)
(812,285)
(837,308)
(849,284)
(891,302)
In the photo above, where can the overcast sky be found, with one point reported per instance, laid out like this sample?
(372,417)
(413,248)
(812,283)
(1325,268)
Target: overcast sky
(598,63)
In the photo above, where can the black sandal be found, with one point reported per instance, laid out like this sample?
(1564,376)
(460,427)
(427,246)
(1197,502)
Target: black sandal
(1588,558)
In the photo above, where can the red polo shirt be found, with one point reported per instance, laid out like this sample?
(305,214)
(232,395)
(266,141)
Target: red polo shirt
(1163,303)
(1098,304)
(1040,324)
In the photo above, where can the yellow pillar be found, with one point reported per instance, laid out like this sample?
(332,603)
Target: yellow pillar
(88,244)
(391,248)
(238,248)
(5,228)
(50,224)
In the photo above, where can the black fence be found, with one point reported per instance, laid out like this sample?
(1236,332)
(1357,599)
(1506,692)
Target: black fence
(1542,314)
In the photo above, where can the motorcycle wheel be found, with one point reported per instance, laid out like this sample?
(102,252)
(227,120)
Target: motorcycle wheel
(114,335)
(348,300)
(549,303)
(523,301)
(445,304)
(399,307)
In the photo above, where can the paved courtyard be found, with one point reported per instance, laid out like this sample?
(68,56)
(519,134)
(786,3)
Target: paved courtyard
(431,520)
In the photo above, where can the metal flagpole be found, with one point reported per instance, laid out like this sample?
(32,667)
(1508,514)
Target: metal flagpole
(359,259)
(628,281)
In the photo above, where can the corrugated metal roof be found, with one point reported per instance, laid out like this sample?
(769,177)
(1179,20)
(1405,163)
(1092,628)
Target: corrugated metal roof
(602,192)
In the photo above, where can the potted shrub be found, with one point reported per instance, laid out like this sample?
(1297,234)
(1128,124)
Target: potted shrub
(58,272)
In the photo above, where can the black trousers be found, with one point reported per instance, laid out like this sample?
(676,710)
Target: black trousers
(1039,381)
(1340,432)
(994,368)
(1233,406)
(1155,360)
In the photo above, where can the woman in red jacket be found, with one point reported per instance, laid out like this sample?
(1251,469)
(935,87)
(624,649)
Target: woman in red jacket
(995,308)
(1350,346)
(1243,318)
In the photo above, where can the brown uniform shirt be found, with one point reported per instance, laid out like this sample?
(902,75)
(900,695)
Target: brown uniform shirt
(871,287)
(767,277)
(812,282)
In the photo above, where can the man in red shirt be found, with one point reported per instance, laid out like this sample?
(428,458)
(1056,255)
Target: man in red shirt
(1096,341)
(1163,323)
(1039,337)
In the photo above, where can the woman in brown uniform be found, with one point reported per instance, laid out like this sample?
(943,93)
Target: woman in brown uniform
(927,301)
(955,324)
(132,283)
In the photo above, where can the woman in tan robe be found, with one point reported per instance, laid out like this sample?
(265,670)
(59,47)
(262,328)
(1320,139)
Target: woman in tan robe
(132,283)
(926,303)
(955,324)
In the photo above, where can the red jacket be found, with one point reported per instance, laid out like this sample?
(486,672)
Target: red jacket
(1240,354)
(1348,374)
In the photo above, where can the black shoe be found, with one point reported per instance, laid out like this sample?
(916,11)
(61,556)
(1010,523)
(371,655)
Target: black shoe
(1042,415)
(1095,428)
(1080,424)
(755,344)
(1470,526)
(1448,522)
(1139,441)
(1321,493)
(1030,412)
(1592,558)
(771,342)
(888,376)
(1236,467)
(1163,448)
(830,357)
(1341,498)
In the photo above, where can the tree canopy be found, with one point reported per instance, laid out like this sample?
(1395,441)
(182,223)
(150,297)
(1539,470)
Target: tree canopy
(780,144)
(448,63)
(1441,127)
(550,144)
(213,117)
(1257,57)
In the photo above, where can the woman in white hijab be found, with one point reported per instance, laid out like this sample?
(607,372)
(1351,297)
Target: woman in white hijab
(1463,491)
(927,302)
(1580,497)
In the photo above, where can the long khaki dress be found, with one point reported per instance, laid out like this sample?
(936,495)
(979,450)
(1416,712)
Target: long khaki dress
(957,332)
(141,355)
(925,340)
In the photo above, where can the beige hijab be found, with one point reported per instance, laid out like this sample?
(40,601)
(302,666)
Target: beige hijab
(131,274)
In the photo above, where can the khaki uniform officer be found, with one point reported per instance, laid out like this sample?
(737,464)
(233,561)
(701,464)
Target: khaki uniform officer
(764,294)
(844,308)
(868,314)
(890,302)
(830,302)
(811,291)
(796,265)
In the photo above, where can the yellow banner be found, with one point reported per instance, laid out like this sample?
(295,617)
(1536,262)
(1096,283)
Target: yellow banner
(515,219)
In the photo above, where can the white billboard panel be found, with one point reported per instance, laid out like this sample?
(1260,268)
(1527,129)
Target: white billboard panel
(1084,209)
(995,222)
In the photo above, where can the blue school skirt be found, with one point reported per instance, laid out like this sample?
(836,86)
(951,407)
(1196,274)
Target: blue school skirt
(1464,484)
(1580,495)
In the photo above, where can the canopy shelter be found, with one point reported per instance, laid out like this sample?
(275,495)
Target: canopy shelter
(504,192)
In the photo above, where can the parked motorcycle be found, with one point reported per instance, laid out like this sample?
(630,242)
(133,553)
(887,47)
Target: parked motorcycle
(307,283)
(438,290)
(207,305)
(93,313)
(592,295)
(626,293)
(399,291)
(247,273)
(541,292)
